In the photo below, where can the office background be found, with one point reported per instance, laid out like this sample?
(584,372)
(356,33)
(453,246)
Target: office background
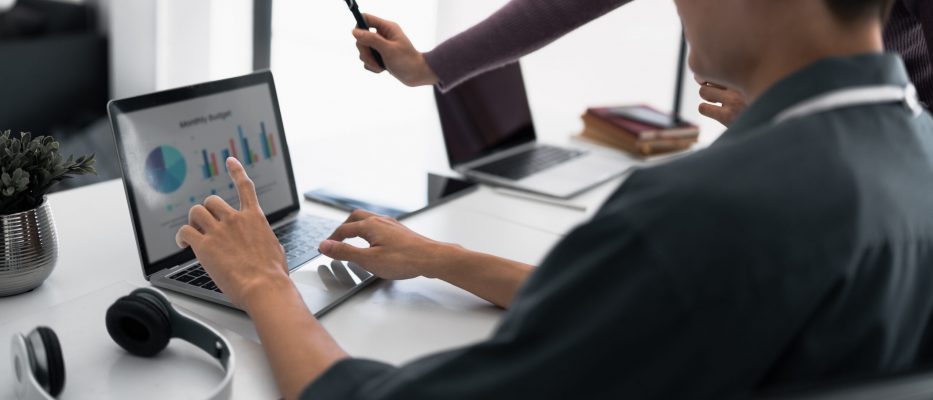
(330,102)
(343,123)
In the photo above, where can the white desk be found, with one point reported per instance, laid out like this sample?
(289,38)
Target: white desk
(390,321)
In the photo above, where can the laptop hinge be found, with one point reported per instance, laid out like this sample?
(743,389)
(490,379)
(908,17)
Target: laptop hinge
(504,153)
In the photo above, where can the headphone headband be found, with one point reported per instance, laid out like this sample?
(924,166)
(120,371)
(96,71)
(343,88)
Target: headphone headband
(144,309)
(204,337)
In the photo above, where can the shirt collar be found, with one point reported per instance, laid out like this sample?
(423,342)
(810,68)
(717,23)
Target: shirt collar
(821,77)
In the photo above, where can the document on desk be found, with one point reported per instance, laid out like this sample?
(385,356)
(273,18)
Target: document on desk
(97,368)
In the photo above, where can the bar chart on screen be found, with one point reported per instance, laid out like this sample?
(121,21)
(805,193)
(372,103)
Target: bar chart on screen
(239,146)
(180,153)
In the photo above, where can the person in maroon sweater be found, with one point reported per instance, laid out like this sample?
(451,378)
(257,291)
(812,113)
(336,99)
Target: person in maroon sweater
(518,28)
(523,26)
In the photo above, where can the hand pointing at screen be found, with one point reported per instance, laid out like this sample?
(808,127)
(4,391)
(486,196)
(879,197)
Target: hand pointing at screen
(244,258)
(236,247)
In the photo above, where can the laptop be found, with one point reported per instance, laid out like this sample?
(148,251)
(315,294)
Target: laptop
(172,146)
(490,137)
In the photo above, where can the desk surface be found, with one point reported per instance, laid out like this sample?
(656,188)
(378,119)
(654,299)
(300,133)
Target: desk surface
(390,321)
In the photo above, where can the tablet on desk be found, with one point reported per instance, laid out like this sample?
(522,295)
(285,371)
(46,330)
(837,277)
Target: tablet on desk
(404,199)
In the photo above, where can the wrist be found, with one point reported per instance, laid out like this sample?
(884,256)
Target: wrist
(443,260)
(265,291)
(426,73)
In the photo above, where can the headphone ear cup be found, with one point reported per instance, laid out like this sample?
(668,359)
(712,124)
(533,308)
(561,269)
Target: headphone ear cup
(54,360)
(139,325)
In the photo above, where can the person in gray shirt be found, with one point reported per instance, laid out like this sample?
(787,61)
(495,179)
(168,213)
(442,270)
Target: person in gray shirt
(798,248)
(908,32)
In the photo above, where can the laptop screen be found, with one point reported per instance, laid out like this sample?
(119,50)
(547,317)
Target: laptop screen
(173,146)
(484,115)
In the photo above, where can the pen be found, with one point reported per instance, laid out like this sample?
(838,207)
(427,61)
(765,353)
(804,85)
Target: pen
(539,199)
(361,23)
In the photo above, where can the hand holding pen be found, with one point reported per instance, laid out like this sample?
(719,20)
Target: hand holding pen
(361,24)
(388,48)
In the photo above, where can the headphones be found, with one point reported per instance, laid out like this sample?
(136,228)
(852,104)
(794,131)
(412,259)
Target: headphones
(142,323)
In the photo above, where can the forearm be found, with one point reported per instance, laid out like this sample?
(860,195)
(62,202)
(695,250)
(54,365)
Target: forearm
(518,28)
(296,345)
(492,278)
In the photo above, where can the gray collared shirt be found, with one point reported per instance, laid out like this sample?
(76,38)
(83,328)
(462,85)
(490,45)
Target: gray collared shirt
(785,253)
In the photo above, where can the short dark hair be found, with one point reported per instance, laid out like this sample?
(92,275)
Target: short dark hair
(850,10)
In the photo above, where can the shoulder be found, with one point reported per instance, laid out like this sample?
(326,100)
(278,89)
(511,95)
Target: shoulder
(743,197)
(769,171)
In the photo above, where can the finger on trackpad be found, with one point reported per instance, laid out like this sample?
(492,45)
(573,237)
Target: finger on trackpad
(359,271)
(330,281)
(343,276)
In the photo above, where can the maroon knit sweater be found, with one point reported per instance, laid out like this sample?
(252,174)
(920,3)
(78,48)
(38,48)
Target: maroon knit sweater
(910,33)
(523,26)
(518,28)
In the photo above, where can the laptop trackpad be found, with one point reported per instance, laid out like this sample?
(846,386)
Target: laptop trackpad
(321,285)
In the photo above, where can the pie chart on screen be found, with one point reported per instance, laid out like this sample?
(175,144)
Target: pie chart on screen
(165,169)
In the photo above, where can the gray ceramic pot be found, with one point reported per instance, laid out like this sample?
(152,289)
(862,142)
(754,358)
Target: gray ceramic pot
(28,249)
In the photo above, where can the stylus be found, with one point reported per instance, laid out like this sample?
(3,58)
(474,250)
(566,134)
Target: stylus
(361,23)
(539,199)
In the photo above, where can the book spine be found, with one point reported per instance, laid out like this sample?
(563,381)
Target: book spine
(639,147)
(595,120)
(635,128)
(621,134)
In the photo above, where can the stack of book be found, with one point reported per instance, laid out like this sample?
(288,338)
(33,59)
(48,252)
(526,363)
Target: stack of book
(603,126)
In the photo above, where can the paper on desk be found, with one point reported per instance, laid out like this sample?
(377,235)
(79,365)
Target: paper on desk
(96,368)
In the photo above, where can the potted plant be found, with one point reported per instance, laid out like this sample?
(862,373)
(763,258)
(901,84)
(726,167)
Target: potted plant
(29,167)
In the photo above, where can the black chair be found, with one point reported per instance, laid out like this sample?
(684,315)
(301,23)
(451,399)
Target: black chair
(909,386)
(54,69)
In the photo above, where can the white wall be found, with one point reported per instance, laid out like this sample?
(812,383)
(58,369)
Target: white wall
(320,77)
(331,104)
(160,44)
(628,56)
(231,38)
(133,57)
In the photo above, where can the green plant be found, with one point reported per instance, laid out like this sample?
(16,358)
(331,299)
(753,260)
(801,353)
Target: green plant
(30,166)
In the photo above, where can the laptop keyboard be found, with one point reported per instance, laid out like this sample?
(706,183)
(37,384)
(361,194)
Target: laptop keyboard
(527,163)
(196,276)
(300,239)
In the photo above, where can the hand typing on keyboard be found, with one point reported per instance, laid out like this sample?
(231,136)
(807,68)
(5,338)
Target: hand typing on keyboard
(395,251)
(237,248)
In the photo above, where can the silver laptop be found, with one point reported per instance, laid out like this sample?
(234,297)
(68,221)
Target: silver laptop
(490,137)
(172,146)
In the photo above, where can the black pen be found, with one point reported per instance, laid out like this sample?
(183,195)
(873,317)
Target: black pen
(361,23)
